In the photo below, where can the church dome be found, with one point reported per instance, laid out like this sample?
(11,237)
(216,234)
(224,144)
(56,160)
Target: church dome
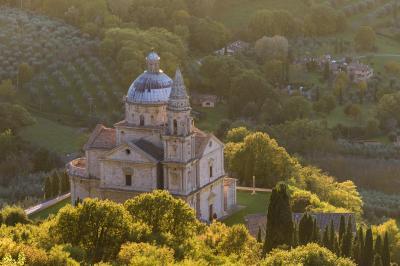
(153,86)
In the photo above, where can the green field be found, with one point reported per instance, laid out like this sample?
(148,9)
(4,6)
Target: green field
(212,117)
(253,204)
(43,214)
(54,136)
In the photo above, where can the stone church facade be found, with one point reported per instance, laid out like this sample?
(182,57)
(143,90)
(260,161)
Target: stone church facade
(156,146)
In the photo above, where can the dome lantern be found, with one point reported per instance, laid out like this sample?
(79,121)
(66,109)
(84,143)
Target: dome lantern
(153,62)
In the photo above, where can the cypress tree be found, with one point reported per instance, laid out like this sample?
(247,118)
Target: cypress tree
(259,240)
(295,235)
(358,254)
(55,184)
(378,245)
(336,247)
(386,251)
(342,228)
(377,260)
(355,254)
(325,237)
(347,240)
(279,230)
(316,237)
(305,229)
(368,252)
(65,187)
(332,236)
(48,192)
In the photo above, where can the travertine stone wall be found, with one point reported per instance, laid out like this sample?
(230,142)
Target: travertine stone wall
(154,115)
(213,156)
(144,176)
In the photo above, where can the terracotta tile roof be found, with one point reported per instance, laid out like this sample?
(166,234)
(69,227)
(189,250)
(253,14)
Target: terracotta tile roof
(101,138)
(255,221)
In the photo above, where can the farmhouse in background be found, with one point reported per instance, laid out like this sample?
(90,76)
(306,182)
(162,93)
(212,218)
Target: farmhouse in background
(204,100)
(233,48)
(156,146)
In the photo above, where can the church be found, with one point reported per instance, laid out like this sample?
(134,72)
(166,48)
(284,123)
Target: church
(156,146)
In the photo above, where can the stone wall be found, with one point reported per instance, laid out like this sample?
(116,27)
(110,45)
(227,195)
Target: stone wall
(212,194)
(144,176)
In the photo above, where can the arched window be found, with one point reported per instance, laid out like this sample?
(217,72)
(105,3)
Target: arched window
(175,127)
(211,171)
(142,120)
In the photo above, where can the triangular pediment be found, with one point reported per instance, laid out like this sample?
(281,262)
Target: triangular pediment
(129,152)
(212,143)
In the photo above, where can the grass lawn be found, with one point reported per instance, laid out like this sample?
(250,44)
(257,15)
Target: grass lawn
(253,204)
(54,136)
(337,116)
(43,214)
(212,117)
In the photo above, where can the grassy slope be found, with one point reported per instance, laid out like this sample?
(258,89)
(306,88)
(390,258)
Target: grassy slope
(43,214)
(254,204)
(53,136)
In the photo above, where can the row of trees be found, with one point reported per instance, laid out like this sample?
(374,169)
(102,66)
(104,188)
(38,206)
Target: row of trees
(151,229)
(55,184)
(320,20)
(281,231)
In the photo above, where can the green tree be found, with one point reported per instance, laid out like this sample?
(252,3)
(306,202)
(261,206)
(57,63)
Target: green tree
(7,90)
(248,86)
(48,189)
(97,227)
(207,35)
(325,237)
(55,184)
(14,117)
(14,215)
(323,20)
(170,219)
(365,38)
(237,134)
(137,254)
(316,236)
(279,229)
(274,71)
(347,240)
(311,254)
(259,240)
(296,107)
(386,251)
(368,252)
(217,72)
(378,245)
(341,83)
(272,48)
(260,156)
(342,228)
(64,182)
(305,229)
(388,108)
(25,74)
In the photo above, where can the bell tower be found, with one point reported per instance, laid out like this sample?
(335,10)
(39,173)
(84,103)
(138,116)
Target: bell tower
(178,110)
(179,140)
